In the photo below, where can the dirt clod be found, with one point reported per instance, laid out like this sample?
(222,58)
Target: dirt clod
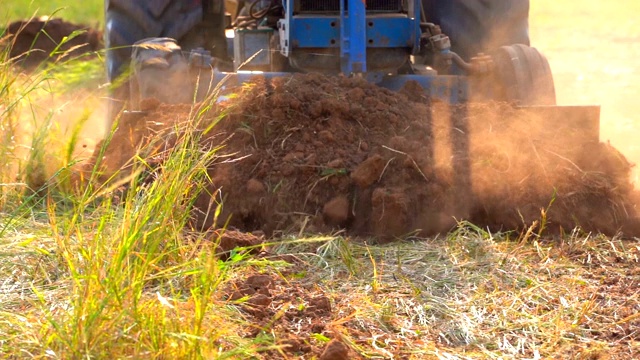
(255,187)
(367,173)
(259,281)
(259,300)
(231,239)
(320,304)
(391,208)
(336,211)
(335,350)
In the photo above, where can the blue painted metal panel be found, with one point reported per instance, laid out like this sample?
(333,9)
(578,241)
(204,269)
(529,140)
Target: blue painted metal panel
(318,32)
(353,42)
(415,8)
(390,32)
(314,32)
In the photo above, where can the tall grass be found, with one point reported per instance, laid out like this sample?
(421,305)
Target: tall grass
(102,280)
(84,277)
(37,117)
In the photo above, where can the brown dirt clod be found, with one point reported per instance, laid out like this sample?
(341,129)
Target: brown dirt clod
(259,300)
(231,239)
(335,350)
(321,305)
(259,281)
(368,172)
(255,187)
(336,211)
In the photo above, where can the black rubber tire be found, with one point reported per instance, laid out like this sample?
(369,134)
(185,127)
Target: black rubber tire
(523,76)
(476,26)
(121,32)
(129,21)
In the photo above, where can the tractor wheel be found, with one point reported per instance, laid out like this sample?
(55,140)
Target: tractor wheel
(122,30)
(160,71)
(127,22)
(523,76)
(476,26)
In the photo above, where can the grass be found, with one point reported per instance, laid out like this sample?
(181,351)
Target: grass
(84,12)
(86,276)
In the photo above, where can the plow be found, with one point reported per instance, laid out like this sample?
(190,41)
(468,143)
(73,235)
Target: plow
(456,111)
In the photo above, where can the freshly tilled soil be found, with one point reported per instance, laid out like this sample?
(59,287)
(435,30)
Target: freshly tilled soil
(318,154)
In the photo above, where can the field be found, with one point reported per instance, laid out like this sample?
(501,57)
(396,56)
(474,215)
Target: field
(86,12)
(105,272)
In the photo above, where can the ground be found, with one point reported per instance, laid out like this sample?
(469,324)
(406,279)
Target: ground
(313,154)
(125,275)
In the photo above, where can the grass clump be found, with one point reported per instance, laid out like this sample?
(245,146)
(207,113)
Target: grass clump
(85,277)
(104,280)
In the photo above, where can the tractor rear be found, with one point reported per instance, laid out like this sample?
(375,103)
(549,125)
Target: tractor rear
(387,42)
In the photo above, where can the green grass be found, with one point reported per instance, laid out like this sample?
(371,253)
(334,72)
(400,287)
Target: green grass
(88,12)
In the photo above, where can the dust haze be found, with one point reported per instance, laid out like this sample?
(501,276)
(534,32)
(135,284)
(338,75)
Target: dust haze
(593,50)
(317,154)
(52,132)
(344,154)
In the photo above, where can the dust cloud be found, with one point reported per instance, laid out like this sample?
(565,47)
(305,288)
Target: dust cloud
(48,127)
(320,154)
(316,154)
(53,132)
(593,50)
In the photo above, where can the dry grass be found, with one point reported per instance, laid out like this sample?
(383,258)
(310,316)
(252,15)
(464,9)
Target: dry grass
(469,295)
(472,294)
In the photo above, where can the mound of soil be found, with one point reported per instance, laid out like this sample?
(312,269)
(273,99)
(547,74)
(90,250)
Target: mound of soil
(32,41)
(318,153)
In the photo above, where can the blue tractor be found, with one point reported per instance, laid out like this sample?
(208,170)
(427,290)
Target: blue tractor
(459,51)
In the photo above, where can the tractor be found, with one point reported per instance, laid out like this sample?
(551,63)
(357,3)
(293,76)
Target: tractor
(458,51)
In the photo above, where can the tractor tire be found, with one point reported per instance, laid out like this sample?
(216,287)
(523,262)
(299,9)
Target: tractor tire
(476,26)
(161,72)
(523,76)
(121,32)
(127,22)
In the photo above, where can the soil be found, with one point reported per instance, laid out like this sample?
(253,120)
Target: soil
(317,154)
(33,41)
(291,309)
(228,240)
(614,315)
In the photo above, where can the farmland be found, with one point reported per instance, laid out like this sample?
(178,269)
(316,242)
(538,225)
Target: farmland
(103,273)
